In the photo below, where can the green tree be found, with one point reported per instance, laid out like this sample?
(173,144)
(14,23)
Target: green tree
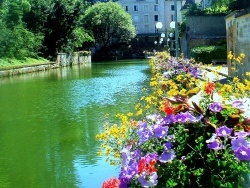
(221,4)
(58,21)
(15,40)
(109,24)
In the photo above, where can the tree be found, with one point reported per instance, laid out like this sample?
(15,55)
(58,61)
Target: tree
(58,21)
(16,40)
(109,24)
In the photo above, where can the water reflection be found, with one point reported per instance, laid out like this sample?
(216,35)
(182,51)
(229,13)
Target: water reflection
(48,123)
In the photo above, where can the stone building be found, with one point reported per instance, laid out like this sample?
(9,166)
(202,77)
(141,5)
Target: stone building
(145,15)
(238,41)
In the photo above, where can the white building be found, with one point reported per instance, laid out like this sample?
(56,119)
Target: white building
(206,3)
(146,13)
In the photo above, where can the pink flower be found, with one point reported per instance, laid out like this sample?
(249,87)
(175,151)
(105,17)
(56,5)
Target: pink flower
(111,183)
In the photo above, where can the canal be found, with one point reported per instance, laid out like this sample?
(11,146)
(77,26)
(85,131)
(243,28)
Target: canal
(48,122)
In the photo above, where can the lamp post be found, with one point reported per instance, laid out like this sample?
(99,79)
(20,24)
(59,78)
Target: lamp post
(176,30)
(158,26)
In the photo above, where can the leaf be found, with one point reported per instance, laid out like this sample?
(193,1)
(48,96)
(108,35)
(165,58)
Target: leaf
(193,91)
(229,185)
(197,108)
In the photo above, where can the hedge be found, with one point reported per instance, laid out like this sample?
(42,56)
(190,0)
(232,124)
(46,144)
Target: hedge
(205,54)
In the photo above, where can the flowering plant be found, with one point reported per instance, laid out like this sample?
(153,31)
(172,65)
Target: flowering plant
(181,140)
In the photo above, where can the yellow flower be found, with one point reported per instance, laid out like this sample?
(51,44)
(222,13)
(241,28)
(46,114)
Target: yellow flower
(242,55)
(236,79)
(247,73)
(230,55)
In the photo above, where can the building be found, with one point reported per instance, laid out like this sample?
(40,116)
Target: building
(145,15)
(238,39)
(206,3)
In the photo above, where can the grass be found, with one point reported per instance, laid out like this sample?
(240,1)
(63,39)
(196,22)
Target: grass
(8,63)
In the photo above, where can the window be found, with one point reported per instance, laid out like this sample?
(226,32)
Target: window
(135,7)
(155,7)
(172,18)
(136,18)
(145,18)
(156,18)
(126,8)
(146,8)
(172,7)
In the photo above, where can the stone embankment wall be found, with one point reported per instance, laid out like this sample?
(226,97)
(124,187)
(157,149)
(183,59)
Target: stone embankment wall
(27,69)
(238,41)
(63,59)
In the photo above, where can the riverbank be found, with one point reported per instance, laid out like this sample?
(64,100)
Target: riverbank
(10,67)
(26,68)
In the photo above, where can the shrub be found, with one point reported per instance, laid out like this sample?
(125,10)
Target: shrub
(205,54)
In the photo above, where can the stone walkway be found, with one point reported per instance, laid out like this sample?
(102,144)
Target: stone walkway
(215,73)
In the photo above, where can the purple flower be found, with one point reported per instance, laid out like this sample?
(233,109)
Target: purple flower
(195,71)
(127,173)
(160,131)
(185,117)
(151,156)
(171,137)
(236,143)
(148,180)
(215,107)
(153,117)
(145,133)
(212,139)
(183,158)
(238,104)
(168,119)
(167,146)
(125,155)
(223,131)
(241,133)
(136,153)
(215,145)
(167,156)
(242,153)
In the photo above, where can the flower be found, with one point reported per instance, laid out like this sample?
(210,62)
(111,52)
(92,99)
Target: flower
(144,132)
(160,131)
(148,180)
(170,137)
(237,104)
(223,131)
(167,156)
(243,153)
(238,142)
(111,183)
(215,145)
(215,107)
(209,88)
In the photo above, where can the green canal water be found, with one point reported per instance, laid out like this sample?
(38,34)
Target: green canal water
(48,123)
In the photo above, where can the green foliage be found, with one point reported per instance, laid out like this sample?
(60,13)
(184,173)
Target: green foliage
(109,23)
(218,7)
(205,54)
(37,27)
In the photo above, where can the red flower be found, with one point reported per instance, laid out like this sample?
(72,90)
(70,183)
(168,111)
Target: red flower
(209,88)
(168,109)
(111,183)
(146,167)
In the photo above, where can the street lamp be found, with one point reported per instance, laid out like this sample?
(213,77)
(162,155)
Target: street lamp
(176,29)
(158,26)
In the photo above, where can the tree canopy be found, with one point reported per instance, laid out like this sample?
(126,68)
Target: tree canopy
(109,24)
